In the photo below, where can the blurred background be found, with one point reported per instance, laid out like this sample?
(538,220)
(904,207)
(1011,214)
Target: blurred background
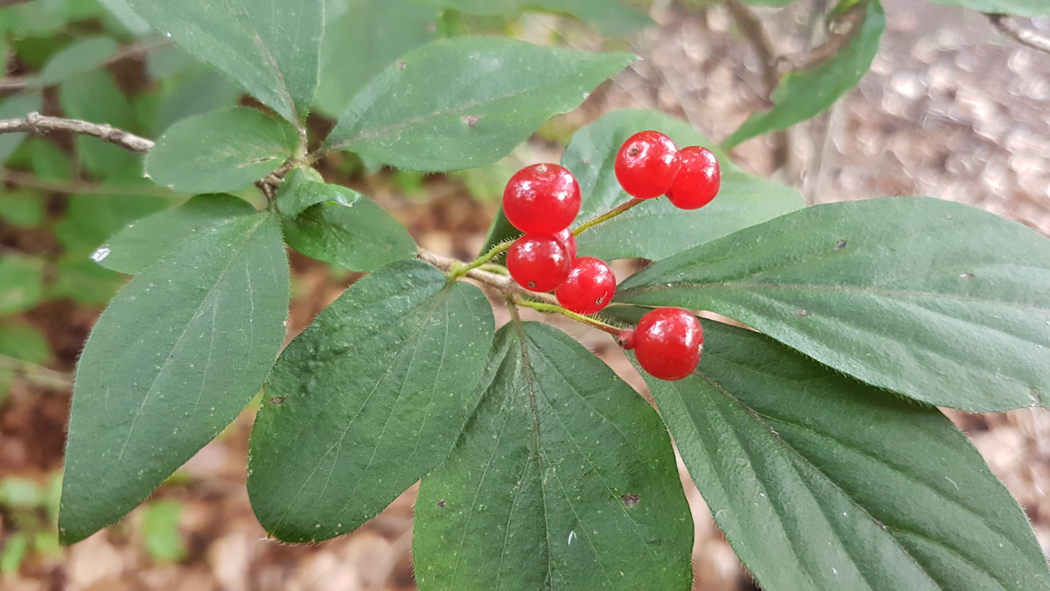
(951,108)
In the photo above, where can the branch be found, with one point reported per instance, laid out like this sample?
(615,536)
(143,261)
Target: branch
(35,374)
(501,283)
(752,28)
(41,125)
(1024,36)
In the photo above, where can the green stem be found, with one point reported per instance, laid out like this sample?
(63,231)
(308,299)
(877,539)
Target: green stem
(461,270)
(553,309)
(608,216)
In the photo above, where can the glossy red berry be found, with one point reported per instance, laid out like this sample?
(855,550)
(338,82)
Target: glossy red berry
(698,180)
(538,262)
(568,240)
(541,199)
(667,343)
(589,287)
(647,164)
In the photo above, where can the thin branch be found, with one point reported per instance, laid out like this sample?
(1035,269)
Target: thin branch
(42,125)
(16,83)
(1024,36)
(35,374)
(501,283)
(26,179)
(751,26)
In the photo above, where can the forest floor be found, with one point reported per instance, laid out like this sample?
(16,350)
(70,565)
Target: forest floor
(954,111)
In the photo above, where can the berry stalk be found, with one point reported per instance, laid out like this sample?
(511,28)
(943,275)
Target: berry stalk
(607,216)
(553,309)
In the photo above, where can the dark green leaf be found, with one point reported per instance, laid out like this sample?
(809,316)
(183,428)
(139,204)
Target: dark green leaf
(139,245)
(466,102)
(805,93)
(563,479)
(823,483)
(657,229)
(76,58)
(15,107)
(160,526)
(24,209)
(176,356)
(1027,8)
(361,43)
(21,282)
(343,227)
(367,400)
(939,301)
(270,47)
(95,97)
(221,151)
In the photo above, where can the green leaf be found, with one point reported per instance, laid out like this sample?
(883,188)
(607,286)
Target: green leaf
(564,479)
(466,102)
(48,162)
(343,227)
(95,97)
(91,219)
(84,282)
(938,301)
(361,43)
(24,209)
(21,283)
(141,244)
(123,13)
(24,341)
(177,355)
(805,93)
(15,548)
(160,526)
(610,17)
(197,91)
(1026,8)
(657,229)
(12,108)
(76,58)
(270,47)
(220,151)
(820,482)
(367,400)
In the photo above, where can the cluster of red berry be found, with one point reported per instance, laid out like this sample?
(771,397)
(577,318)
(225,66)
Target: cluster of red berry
(543,199)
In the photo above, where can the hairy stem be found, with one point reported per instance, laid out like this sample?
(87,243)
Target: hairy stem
(555,309)
(607,216)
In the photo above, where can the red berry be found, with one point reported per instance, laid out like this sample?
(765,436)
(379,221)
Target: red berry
(541,199)
(589,287)
(538,262)
(698,180)
(626,339)
(568,240)
(667,342)
(647,164)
